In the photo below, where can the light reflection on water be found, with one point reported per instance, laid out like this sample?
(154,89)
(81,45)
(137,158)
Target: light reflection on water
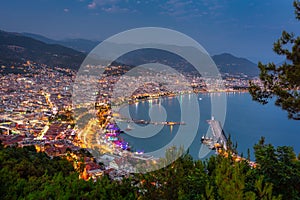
(246,122)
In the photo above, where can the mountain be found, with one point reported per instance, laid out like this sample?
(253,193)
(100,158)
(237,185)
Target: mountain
(28,46)
(16,48)
(40,38)
(81,45)
(225,62)
(228,63)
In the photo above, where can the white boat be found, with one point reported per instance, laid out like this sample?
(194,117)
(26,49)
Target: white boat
(129,128)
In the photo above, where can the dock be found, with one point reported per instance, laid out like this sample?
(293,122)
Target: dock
(219,142)
(219,138)
(141,121)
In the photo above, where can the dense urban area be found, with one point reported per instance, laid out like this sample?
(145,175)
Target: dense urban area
(50,151)
(36,109)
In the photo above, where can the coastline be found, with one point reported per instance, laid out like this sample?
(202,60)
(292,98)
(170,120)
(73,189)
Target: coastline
(147,97)
(131,101)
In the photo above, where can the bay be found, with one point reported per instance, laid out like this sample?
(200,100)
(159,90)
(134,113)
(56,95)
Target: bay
(246,121)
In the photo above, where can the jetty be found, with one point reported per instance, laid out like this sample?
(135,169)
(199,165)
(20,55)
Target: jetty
(218,142)
(141,121)
(219,138)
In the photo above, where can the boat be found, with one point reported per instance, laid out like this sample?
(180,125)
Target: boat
(129,128)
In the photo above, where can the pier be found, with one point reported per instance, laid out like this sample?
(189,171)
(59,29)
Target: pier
(219,142)
(219,138)
(141,121)
(218,132)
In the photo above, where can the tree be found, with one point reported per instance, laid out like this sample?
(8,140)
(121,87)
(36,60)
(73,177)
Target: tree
(282,82)
(230,180)
(280,167)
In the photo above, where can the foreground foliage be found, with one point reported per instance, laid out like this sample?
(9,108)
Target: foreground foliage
(282,82)
(26,174)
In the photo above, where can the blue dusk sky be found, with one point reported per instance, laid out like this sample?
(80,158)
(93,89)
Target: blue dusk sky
(245,28)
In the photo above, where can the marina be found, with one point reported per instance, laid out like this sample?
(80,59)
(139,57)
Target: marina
(141,121)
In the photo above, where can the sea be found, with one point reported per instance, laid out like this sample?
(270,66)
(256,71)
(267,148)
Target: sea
(245,120)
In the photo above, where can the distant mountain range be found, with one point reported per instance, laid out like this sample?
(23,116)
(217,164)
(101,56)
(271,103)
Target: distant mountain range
(19,47)
(16,48)
(82,45)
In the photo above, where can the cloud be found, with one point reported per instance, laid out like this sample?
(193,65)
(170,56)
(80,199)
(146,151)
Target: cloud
(181,9)
(66,10)
(114,9)
(92,5)
(101,3)
(111,6)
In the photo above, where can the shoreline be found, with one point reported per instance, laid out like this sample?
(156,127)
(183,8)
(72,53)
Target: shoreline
(131,101)
(147,97)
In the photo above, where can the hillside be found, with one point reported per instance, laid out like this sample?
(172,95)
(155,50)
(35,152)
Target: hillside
(81,45)
(228,63)
(225,62)
(16,48)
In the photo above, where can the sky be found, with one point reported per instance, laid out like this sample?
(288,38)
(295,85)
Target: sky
(244,28)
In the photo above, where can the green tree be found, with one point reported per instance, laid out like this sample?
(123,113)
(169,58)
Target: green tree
(26,174)
(264,190)
(280,167)
(282,82)
(198,182)
(230,179)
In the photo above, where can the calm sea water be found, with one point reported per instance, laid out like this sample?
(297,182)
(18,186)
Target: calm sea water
(246,121)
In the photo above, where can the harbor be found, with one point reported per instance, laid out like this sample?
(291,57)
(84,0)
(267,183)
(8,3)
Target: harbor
(219,142)
(141,121)
(219,139)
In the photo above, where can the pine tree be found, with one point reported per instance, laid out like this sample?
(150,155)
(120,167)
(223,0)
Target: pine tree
(282,82)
